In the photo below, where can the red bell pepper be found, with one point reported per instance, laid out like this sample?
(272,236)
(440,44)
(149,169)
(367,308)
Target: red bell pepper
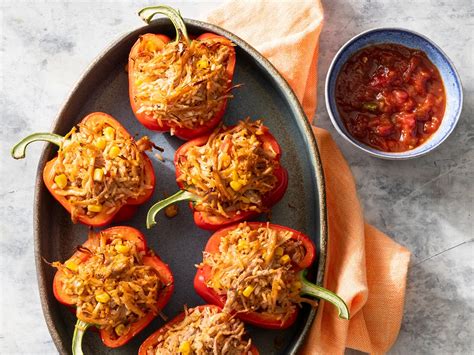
(103,218)
(207,220)
(150,259)
(151,340)
(160,41)
(203,275)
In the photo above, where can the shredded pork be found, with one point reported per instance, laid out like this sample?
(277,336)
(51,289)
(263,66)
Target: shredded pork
(111,289)
(182,84)
(254,270)
(98,169)
(231,172)
(203,331)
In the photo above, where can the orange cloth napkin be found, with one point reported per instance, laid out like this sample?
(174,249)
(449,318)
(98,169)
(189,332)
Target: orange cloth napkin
(365,267)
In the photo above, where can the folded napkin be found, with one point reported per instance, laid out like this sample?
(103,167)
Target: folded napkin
(365,267)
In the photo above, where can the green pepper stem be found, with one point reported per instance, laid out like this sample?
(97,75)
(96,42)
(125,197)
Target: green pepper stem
(79,330)
(181,195)
(147,14)
(311,289)
(19,149)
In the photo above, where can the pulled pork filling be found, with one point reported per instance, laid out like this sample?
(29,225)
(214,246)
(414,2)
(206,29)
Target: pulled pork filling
(231,172)
(254,270)
(98,169)
(182,84)
(112,288)
(203,331)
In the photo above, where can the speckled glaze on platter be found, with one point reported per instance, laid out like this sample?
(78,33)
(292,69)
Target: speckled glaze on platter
(265,94)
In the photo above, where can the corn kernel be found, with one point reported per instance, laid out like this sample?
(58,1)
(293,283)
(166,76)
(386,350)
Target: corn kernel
(151,46)
(120,329)
(138,82)
(114,152)
(248,291)
(267,257)
(61,181)
(171,211)
(98,174)
(279,251)
(100,143)
(236,185)
(122,249)
(102,297)
(285,259)
(296,286)
(225,160)
(242,244)
(109,133)
(71,265)
(216,284)
(94,208)
(202,64)
(185,348)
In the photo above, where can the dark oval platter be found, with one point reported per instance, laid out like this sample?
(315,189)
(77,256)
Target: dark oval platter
(265,94)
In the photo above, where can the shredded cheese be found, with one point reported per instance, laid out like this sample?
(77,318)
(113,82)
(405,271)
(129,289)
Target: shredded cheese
(252,273)
(182,84)
(112,288)
(205,331)
(231,172)
(98,169)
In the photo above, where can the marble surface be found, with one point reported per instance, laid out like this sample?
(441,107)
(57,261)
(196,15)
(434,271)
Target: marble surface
(425,204)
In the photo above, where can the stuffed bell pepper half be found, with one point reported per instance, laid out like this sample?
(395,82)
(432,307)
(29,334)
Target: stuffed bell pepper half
(100,174)
(180,86)
(256,270)
(201,330)
(229,176)
(115,283)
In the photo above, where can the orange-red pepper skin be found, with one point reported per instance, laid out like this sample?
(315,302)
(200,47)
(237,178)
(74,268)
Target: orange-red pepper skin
(151,340)
(211,222)
(129,208)
(203,275)
(125,213)
(151,123)
(162,270)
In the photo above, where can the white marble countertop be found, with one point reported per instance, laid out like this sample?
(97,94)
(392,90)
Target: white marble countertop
(425,204)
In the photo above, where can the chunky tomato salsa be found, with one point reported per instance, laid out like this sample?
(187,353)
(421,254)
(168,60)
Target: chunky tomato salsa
(390,97)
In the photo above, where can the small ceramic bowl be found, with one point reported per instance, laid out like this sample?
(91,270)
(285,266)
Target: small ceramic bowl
(407,38)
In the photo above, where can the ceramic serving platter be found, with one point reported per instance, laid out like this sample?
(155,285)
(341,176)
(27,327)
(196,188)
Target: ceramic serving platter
(264,94)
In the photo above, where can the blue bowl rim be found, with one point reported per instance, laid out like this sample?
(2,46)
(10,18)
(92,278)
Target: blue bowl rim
(381,154)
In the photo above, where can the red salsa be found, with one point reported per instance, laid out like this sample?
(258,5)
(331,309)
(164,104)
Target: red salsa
(390,97)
